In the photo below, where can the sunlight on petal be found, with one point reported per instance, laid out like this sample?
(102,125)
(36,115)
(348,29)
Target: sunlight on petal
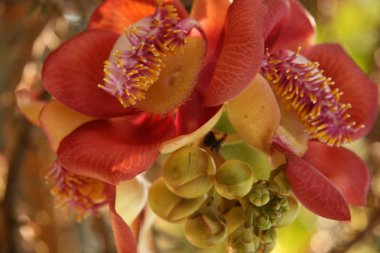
(291,130)
(131,197)
(255,114)
(58,120)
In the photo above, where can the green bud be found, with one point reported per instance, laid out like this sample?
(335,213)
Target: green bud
(267,236)
(204,231)
(291,214)
(243,240)
(284,203)
(263,221)
(275,205)
(189,172)
(234,179)
(169,206)
(278,181)
(259,195)
(275,217)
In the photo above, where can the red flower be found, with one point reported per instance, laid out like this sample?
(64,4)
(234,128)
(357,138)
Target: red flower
(109,120)
(318,99)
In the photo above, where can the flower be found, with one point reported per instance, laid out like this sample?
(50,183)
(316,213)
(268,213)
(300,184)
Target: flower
(139,81)
(309,100)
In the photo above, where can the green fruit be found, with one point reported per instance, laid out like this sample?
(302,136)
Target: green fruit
(204,231)
(189,172)
(234,179)
(169,206)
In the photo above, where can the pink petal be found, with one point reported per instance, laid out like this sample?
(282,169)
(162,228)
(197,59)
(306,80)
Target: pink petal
(357,88)
(116,149)
(211,14)
(296,30)
(241,54)
(73,71)
(124,240)
(313,189)
(343,168)
(116,15)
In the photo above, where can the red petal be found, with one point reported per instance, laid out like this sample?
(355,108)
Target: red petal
(193,122)
(357,88)
(276,11)
(241,54)
(296,30)
(211,15)
(124,240)
(116,149)
(342,167)
(193,114)
(313,189)
(72,72)
(116,15)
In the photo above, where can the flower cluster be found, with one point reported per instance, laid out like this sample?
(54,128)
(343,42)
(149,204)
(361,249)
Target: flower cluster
(147,78)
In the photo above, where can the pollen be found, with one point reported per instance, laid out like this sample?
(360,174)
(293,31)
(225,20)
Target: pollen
(129,73)
(76,193)
(305,88)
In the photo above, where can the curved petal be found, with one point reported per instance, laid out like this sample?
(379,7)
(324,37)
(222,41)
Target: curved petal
(313,189)
(192,115)
(116,149)
(343,168)
(124,240)
(193,121)
(28,104)
(186,137)
(298,29)
(58,120)
(255,114)
(211,14)
(357,88)
(276,12)
(291,131)
(241,54)
(116,15)
(73,71)
(131,191)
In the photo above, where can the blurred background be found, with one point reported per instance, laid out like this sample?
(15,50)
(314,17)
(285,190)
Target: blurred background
(29,220)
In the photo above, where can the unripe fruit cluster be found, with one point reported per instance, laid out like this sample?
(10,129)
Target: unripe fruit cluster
(221,205)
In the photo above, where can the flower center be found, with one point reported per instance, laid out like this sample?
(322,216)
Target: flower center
(75,192)
(310,93)
(139,56)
